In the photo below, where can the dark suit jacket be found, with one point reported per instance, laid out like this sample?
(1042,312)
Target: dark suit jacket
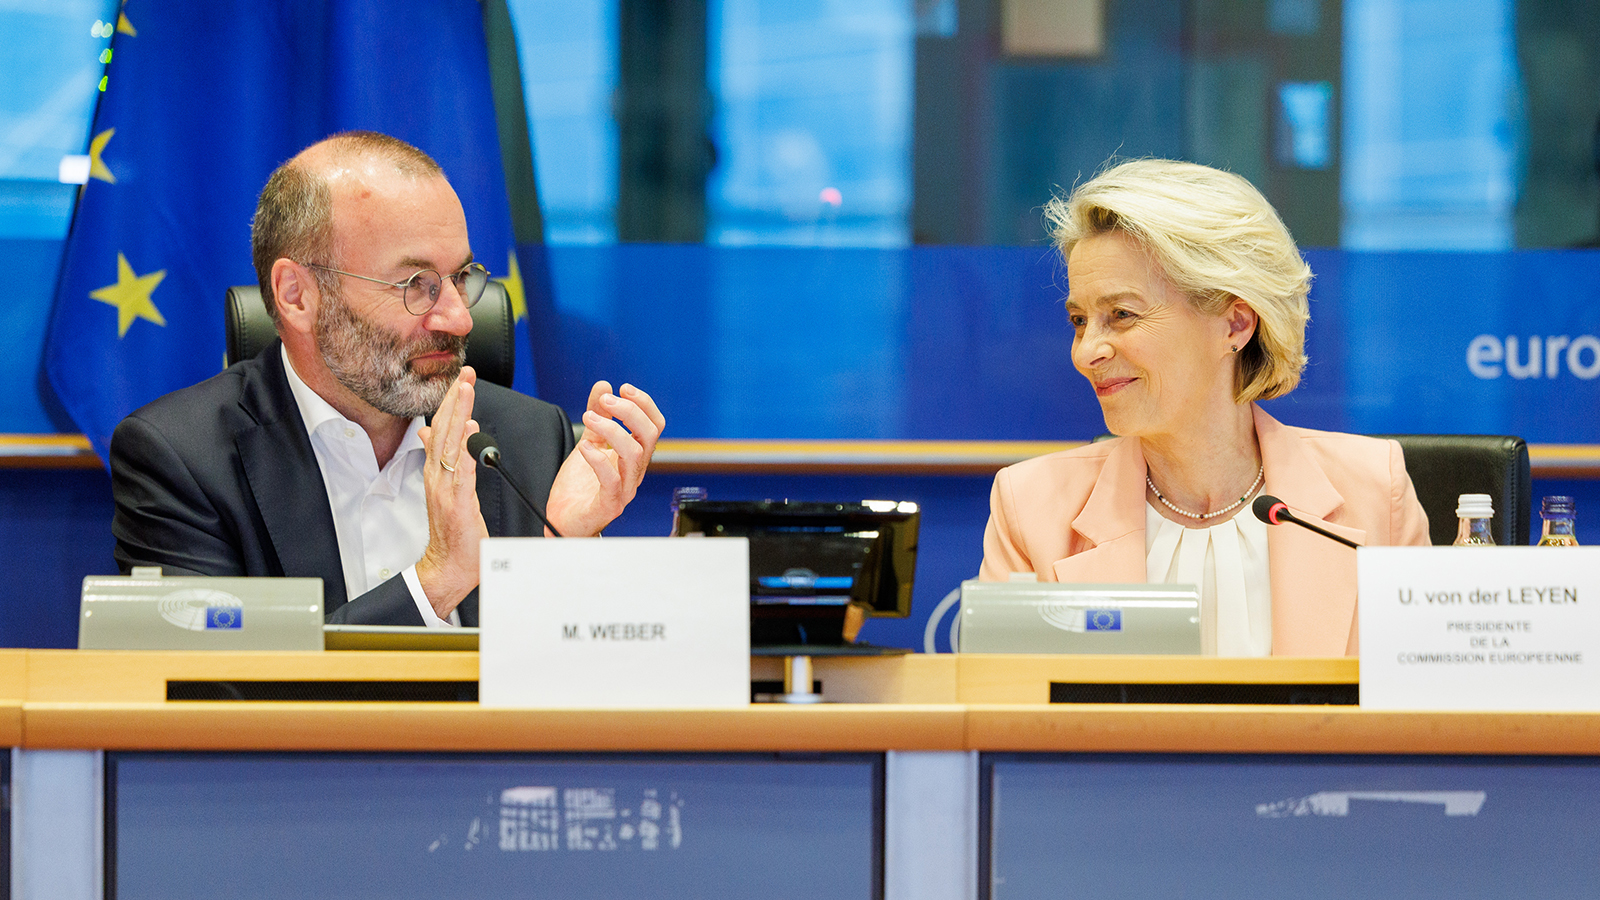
(220,479)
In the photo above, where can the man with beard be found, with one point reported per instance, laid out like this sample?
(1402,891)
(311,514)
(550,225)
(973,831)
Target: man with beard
(317,458)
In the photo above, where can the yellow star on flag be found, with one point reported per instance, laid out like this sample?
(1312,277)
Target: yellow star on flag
(97,166)
(126,27)
(513,283)
(131,296)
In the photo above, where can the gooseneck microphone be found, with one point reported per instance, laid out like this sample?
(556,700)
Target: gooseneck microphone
(483,448)
(1273,511)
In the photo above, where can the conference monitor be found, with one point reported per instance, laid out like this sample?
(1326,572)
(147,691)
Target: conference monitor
(816,569)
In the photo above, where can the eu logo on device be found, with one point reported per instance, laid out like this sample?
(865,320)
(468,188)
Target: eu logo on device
(1102,619)
(225,617)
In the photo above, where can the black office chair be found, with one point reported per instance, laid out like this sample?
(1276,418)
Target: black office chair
(491,349)
(1445,466)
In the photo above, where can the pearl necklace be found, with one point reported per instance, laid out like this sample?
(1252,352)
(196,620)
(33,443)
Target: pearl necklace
(1261,473)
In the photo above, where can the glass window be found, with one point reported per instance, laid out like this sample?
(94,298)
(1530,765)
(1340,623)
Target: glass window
(812,124)
(1433,132)
(568,54)
(54,58)
(1371,124)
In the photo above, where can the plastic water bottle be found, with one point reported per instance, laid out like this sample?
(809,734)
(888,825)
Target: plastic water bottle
(1560,526)
(678,496)
(1475,512)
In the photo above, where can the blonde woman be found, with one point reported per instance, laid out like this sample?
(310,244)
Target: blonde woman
(1187,299)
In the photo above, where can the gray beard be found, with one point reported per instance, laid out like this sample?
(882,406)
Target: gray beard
(374,364)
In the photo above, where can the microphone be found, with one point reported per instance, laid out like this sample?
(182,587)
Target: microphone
(483,448)
(1273,511)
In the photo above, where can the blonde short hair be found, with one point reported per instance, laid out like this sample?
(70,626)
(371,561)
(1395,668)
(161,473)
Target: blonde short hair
(1216,238)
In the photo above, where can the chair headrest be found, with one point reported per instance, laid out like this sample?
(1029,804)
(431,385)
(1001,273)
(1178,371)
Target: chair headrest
(1444,466)
(491,350)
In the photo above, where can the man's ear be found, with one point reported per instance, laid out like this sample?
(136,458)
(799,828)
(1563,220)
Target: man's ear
(296,294)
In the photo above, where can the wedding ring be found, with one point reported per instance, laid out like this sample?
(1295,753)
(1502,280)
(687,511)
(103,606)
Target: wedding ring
(446,466)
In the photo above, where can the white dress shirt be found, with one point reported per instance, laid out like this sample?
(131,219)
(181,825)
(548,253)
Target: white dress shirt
(379,515)
(1228,561)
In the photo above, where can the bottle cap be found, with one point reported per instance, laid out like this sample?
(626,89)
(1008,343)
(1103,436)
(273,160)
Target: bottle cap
(1475,506)
(1558,505)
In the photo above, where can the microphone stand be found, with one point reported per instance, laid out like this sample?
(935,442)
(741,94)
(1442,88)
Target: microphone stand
(1273,511)
(487,452)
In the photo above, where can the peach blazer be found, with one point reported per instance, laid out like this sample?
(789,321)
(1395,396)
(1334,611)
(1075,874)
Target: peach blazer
(1078,515)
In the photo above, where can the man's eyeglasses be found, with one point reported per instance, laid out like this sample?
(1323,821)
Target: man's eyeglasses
(421,291)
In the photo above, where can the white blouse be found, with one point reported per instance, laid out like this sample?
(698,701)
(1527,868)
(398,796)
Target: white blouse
(1228,561)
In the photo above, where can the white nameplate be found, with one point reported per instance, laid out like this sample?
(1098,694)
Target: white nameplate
(614,623)
(1490,628)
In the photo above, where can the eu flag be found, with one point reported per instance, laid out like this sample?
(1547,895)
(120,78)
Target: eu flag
(1103,619)
(228,618)
(201,101)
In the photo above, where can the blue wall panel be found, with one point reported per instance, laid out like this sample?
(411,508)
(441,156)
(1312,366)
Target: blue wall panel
(1318,828)
(923,343)
(398,826)
(55,528)
(972,342)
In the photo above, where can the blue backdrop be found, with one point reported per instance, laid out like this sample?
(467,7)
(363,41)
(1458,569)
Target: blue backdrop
(935,342)
(972,342)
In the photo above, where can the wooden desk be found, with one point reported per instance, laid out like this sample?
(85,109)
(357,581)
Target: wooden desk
(932,802)
(117,700)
